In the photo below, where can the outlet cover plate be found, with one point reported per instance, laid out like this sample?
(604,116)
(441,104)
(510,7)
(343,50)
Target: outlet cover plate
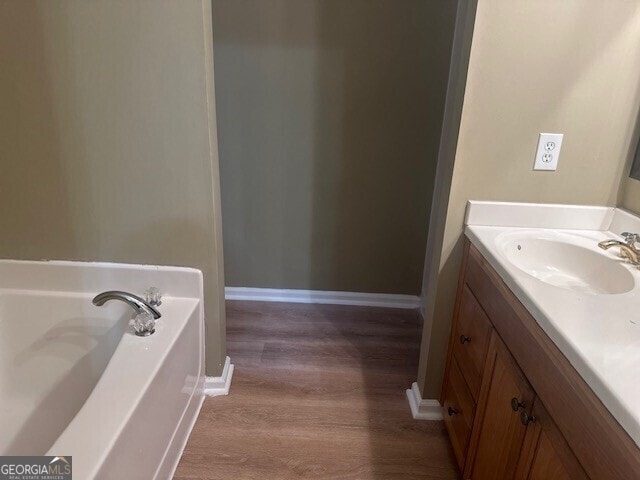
(548,151)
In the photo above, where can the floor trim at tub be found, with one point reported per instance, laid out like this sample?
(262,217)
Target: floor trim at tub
(423,409)
(215,386)
(320,296)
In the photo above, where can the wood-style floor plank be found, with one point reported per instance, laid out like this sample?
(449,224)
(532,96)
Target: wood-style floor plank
(317,393)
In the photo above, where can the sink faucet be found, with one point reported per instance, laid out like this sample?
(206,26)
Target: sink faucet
(138,304)
(628,248)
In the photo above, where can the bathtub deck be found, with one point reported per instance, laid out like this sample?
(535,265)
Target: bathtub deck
(318,393)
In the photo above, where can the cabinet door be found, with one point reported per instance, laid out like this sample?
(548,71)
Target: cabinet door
(545,453)
(498,432)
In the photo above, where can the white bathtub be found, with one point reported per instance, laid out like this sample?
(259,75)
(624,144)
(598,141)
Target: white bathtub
(76,381)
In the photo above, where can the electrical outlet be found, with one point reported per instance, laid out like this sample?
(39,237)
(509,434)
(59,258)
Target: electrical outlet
(548,151)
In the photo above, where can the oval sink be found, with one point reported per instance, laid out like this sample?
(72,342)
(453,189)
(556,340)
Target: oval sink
(567,265)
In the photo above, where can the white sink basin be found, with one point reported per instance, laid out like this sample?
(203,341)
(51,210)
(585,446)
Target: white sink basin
(566,261)
(584,298)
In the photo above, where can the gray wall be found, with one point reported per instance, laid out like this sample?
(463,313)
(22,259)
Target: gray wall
(330,114)
(107,138)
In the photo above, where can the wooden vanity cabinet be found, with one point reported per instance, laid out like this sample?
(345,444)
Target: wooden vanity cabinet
(513,405)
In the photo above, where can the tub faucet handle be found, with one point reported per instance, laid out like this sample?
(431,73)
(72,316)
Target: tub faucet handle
(144,324)
(152,296)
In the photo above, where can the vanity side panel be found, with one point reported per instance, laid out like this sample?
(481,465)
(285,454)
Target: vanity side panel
(459,410)
(602,446)
(454,322)
(471,342)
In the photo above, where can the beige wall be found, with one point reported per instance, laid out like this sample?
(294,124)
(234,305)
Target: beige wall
(570,67)
(107,138)
(630,195)
(330,115)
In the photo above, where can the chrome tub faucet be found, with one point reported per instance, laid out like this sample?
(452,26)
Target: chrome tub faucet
(146,314)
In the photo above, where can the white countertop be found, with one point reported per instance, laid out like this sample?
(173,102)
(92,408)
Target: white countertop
(599,334)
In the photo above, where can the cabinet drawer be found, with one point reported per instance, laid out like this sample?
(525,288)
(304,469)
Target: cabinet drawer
(459,409)
(473,331)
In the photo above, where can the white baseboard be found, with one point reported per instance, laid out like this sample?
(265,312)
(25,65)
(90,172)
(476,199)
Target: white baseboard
(420,408)
(320,296)
(215,386)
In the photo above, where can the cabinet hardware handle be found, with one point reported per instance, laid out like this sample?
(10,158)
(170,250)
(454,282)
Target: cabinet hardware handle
(526,419)
(464,339)
(452,411)
(516,405)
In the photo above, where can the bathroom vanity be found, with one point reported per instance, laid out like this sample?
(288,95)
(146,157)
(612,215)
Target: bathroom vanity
(541,378)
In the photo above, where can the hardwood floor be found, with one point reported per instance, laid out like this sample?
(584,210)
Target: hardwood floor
(318,393)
